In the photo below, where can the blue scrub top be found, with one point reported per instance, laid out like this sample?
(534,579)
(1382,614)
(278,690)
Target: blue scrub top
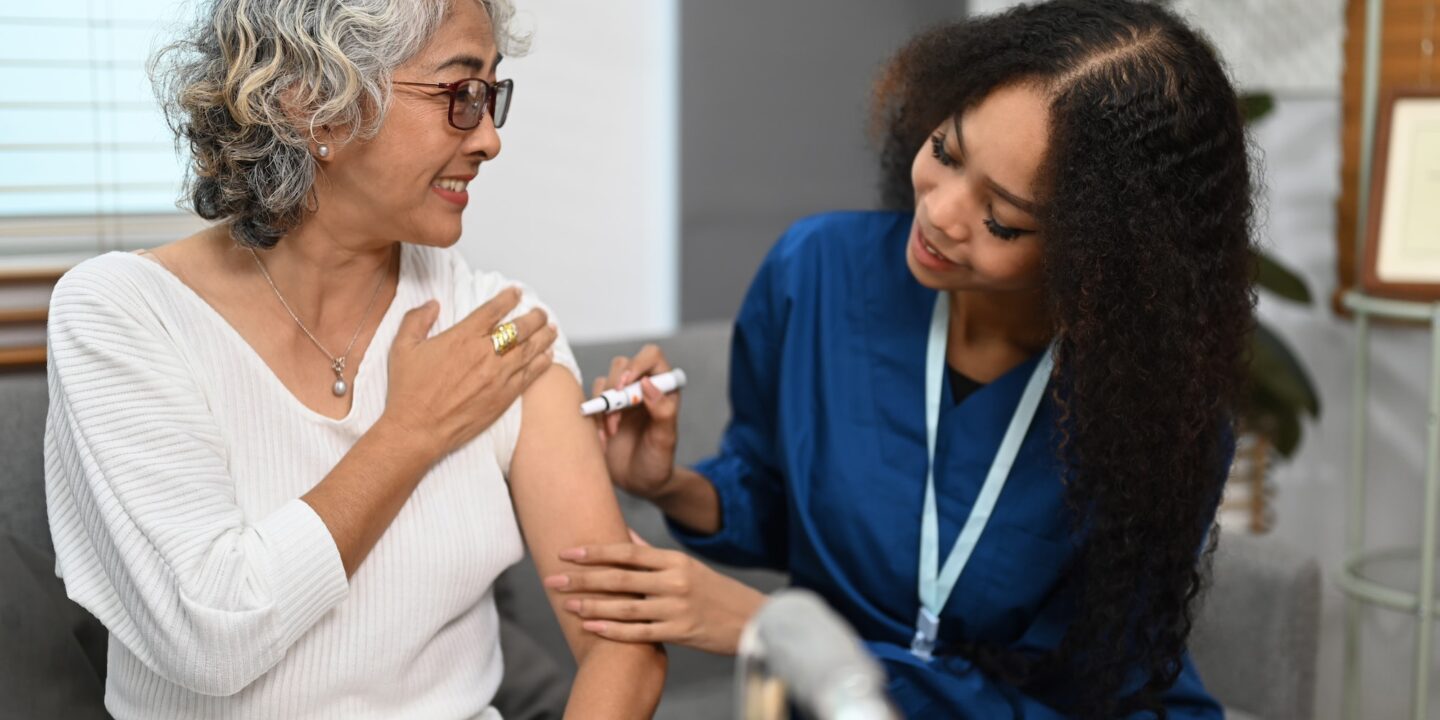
(821,472)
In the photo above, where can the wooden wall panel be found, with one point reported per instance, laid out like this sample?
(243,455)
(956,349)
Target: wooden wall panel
(22,320)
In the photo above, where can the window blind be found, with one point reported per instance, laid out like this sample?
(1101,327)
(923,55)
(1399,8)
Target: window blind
(87,163)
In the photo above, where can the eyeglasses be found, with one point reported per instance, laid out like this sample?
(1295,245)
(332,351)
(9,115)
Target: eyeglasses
(471,97)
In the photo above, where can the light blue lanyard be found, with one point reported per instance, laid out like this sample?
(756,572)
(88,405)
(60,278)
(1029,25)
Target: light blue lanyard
(937,584)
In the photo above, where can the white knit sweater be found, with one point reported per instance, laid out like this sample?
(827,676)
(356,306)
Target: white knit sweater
(174,463)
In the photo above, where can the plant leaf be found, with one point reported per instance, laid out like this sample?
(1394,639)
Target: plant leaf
(1278,279)
(1277,420)
(1254,106)
(1276,370)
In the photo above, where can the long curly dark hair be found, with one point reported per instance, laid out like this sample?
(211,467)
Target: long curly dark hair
(1146,218)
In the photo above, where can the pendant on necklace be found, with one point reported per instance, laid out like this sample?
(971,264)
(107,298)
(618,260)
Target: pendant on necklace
(339,387)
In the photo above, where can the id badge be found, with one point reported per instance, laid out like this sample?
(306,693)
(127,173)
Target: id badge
(927,629)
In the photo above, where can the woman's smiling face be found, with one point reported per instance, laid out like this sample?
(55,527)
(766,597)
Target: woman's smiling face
(408,182)
(975,183)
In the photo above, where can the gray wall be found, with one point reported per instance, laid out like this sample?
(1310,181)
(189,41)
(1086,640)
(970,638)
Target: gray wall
(773,108)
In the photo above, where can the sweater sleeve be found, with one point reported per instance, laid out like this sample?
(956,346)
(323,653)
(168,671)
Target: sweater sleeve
(148,535)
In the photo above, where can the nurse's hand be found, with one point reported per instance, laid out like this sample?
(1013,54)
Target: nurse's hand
(656,595)
(639,442)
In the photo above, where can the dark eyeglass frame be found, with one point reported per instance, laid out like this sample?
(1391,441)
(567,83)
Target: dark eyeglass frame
(489,99)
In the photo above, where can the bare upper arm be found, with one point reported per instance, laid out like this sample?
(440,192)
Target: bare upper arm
(559,483)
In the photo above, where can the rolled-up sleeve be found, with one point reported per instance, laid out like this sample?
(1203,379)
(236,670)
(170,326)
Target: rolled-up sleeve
(147,531)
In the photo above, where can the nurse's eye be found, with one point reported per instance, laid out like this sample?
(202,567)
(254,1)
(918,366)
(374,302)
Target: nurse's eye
(1004,232)
(937,148)
(1001,231)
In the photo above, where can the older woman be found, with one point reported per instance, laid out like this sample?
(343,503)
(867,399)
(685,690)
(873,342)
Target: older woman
(282,453)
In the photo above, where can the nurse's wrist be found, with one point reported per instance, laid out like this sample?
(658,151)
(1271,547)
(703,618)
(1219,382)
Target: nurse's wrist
(689,499)
(664,489)
(747,604)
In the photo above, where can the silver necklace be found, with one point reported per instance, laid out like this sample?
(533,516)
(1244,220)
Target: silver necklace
(337,364)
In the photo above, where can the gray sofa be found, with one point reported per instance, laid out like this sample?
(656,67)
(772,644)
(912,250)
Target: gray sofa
(1255,643)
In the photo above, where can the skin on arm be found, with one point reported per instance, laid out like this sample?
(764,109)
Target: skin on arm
(653,595)
(362,495)
(563,499)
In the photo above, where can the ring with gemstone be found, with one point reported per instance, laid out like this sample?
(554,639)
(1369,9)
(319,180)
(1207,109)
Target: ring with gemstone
(503,338)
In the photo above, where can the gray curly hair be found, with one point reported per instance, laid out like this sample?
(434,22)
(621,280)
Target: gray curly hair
(248,84)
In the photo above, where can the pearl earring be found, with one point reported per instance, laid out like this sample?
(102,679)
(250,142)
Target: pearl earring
(323,151)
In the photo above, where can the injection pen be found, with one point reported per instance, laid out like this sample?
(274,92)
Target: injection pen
(617,399)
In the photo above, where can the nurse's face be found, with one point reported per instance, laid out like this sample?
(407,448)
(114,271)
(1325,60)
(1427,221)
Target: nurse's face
(975,181)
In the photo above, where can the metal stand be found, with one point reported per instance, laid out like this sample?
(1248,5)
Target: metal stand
(798,649)
(1362,574)
(758,694)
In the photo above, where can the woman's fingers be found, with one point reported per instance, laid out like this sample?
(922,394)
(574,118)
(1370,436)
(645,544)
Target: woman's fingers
(610,580)
(473,332)
(482,320)
(531,347)
(416,324)
(527,325)
(617,368)
(623,371)
(661,632)
(533,335)
(649,361)
(622,554)
(623,609)
(662,407)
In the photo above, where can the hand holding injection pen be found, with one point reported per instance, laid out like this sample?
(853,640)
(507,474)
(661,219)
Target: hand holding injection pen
(616,399)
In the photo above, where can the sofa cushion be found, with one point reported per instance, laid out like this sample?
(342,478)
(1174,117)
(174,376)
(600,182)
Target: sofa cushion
(1255,638)
(23,402)
(52,658)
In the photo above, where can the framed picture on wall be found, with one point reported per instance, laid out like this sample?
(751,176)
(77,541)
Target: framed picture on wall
(1402,244)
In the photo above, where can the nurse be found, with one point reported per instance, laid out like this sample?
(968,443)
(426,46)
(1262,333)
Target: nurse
(990,427)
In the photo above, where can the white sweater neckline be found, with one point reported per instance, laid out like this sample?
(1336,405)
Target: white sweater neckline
(361,385)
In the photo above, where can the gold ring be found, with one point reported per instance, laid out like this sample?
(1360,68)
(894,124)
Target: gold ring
(503,338)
